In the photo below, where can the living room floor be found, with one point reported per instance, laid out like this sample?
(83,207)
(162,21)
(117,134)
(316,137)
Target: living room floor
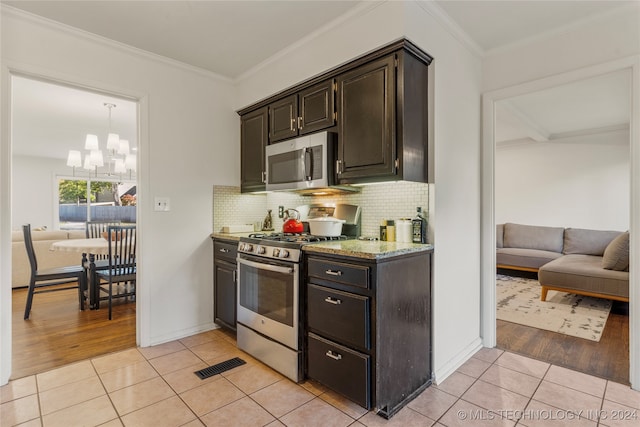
(156,386)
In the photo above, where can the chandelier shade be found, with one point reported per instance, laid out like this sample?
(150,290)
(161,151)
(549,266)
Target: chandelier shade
(118,159)
(74,159)
(91,142)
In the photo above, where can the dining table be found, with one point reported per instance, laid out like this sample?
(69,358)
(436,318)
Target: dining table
(89,248)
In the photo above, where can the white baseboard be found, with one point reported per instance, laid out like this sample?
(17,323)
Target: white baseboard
(454,363)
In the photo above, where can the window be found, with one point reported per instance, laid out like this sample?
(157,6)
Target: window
(82,200)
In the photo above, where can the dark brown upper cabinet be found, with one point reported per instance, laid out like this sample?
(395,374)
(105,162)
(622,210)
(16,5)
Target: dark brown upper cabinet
(383,121)
(366,125)
(253,140)
(378,104)
(310,110)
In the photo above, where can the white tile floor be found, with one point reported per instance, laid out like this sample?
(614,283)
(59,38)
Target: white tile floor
(156,387)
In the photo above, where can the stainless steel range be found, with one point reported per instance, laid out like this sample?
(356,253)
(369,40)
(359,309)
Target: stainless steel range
(270,322)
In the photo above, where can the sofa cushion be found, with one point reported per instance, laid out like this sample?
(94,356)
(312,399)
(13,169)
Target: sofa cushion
(584,273)
(587,242)
(533,237)
(529,258)
(616,254)
(499,235)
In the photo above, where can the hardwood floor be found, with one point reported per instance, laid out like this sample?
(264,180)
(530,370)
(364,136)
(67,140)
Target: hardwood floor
(58,333)
(608,358)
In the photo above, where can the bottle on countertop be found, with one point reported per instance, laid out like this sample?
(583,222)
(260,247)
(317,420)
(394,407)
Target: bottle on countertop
(419,225)
(391,230)
(383,230)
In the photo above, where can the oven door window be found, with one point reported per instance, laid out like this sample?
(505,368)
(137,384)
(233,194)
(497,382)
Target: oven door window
(267,293)
(286,167)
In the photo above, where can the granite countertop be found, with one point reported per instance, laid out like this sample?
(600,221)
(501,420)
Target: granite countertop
(354,248)
(235,237)
(366,249)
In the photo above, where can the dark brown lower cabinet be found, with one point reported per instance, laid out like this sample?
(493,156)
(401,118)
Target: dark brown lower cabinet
(369,336)
(224,283)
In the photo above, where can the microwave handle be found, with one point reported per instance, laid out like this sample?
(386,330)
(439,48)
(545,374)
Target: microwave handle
(308,164)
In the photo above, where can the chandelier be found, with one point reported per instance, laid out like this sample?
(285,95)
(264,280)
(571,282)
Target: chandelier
(119,160)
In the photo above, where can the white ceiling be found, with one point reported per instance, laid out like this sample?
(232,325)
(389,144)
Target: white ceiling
(230,38)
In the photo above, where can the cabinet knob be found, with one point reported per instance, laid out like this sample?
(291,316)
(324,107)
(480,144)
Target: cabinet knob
(334,301)
(333,355)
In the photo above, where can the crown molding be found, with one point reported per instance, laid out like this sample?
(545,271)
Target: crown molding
(567,28)
(432,8)
(359,10)
(122,47)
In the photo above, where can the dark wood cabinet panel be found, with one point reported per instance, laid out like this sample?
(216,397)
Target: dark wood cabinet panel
(340,368)
(225,294)
(366,121)
(224,283)
(317,107)
(253,140)
(339,315)
(283,119)
(397,324)
(311,110)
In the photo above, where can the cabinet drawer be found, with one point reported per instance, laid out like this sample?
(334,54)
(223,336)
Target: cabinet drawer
(341,315)
(349,274)
(339,368)
(225,250)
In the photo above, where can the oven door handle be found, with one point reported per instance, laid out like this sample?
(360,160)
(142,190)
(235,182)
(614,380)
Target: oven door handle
(269,267)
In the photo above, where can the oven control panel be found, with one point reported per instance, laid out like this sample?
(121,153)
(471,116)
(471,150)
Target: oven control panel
(268,251)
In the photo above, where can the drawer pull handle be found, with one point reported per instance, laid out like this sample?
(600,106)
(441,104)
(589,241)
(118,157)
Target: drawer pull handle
(334,356)
(334,273)
(334,301)
(224,251)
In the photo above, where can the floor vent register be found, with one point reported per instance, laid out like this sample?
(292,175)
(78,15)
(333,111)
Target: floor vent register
(219,368)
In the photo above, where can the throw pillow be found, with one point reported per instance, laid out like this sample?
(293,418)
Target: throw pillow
(616,255)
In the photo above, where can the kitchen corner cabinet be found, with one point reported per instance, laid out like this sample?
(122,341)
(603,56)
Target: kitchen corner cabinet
(310,110)
(369,327)
(253,140)
(224,283)
(383,121)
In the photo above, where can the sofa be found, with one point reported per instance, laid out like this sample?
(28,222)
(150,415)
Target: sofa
(42,240)
(574,260)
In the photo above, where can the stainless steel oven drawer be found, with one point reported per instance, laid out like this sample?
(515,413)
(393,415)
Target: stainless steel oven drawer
(349,274)
(339,368)
(341,315)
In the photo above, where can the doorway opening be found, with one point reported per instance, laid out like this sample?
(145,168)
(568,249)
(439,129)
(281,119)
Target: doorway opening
(58,197)
(490,209)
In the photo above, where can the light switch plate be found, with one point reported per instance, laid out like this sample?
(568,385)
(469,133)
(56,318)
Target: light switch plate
(161,204)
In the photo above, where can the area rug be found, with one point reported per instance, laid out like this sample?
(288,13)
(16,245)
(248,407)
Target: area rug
(576,315)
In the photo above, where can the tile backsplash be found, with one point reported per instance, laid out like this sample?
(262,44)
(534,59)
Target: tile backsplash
(390,200)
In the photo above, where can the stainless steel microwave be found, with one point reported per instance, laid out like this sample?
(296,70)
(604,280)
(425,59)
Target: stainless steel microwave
(303,163)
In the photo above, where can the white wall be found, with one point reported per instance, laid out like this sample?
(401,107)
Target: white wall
(34,180)
(573,182)
(188,142)
(456,210)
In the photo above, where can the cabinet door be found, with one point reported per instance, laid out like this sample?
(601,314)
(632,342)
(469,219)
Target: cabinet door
(283,118)
(224,279)
(317,107)
(253,140)
(366,121)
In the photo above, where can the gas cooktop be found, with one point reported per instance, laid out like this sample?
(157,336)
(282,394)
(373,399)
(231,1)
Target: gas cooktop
(294,237)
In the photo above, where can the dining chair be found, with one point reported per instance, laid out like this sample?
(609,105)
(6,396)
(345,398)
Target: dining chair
(122,264)
(94,230)
(47,278)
